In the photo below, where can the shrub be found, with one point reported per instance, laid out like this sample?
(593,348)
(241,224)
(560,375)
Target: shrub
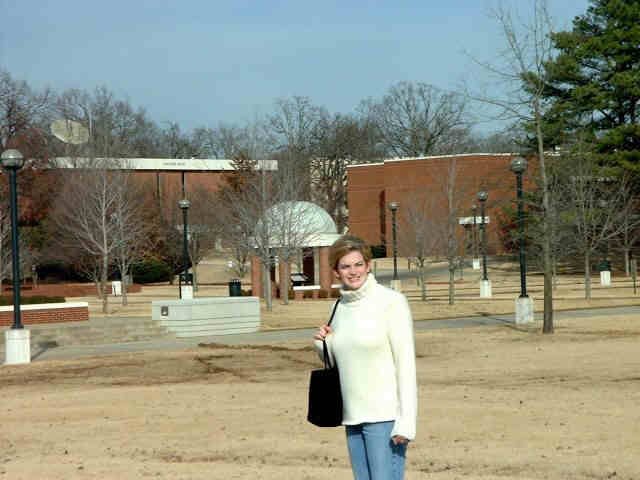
(58,271)
(4,301)
(151,270)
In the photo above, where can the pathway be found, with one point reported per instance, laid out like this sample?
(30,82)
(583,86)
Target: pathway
(277,336)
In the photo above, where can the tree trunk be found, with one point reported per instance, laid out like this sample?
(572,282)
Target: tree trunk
(266,275)
(284,288)
(423,284)
(123,280)
(627,264)
(194,271)
(547,264)
(103,284)
(587,275)
(452,284)
(1,267)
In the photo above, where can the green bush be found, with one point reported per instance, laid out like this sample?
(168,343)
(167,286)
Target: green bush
(4,301)
(58,272)
(151,270)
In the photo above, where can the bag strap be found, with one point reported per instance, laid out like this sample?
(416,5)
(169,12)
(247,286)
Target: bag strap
(325,350)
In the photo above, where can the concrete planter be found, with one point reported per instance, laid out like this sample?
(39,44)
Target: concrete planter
(208,316)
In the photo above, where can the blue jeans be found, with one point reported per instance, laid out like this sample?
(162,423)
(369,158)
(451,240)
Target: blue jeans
(373,454)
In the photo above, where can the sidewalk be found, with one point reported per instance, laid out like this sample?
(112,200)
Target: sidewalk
(278,336)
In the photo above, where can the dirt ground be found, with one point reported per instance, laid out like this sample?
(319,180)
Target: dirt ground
(495,403)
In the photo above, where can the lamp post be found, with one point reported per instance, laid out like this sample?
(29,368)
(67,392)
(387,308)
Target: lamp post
(393,206)
(482,198)
(474,237)
(184,205)
(524,304)
(485,284)
(518,166)
(12,161)
(17,339)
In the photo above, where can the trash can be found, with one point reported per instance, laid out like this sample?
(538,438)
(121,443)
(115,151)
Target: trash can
(116,288)
(298,279)
(235,288)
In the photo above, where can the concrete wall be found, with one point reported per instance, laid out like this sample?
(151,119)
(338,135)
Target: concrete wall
(208,316)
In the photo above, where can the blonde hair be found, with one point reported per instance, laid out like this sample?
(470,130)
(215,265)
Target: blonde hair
(345,245)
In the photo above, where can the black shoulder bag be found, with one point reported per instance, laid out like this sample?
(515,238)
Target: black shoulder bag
(325,397)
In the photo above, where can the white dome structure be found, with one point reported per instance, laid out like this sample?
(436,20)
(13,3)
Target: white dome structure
(303,224)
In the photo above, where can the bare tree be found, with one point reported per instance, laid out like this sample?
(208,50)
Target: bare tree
(244,200)
(20,107)
(5,249)
(290,222)
(421,235)
(340,140)
(416,119)
(132,228)
(116,129)
(204,227)
(291,132)
(236,235)
(594,207)
(452,226)
(629,224)
(292,125)
(247,206)
(84,216)
(225,141)
(268,215)
(177,144)
(520,72)
(431,227)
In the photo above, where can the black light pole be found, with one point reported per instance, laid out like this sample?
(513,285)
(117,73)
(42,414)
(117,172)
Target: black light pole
(482,198)
(13,161)
(184,205)
(518,166)
(393,206)
(474,236)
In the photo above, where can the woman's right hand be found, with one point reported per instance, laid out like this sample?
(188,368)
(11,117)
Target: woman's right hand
(322,332)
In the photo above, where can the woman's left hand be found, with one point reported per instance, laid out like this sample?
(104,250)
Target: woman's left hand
(399,440)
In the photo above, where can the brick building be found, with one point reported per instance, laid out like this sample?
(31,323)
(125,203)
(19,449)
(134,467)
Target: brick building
(168,176)
(425,187)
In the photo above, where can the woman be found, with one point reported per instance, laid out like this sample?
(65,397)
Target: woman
(371,340)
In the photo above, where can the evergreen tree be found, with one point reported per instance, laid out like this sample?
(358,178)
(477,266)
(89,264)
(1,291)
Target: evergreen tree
(594,82)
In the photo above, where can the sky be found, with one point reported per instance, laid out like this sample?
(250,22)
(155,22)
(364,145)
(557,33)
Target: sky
(202,62)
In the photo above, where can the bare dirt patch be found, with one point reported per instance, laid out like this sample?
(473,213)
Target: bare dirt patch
(495,403)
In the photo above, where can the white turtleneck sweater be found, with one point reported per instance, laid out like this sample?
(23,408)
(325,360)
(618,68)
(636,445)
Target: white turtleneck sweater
(372,343)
